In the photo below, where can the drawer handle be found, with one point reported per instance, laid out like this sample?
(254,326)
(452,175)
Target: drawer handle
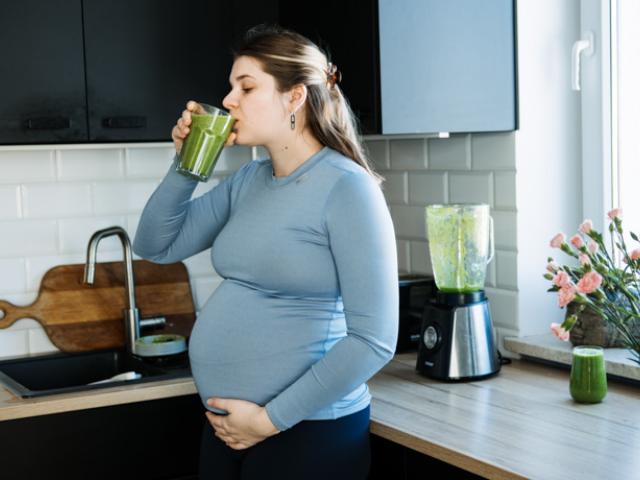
(47,123)
(124,122)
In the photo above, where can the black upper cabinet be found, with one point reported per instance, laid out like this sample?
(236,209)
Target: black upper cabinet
(97,71)
(118,70)
(348,31)
(42,88)
(145,59)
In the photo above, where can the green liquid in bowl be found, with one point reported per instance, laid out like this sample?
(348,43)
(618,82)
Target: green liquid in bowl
(202,147)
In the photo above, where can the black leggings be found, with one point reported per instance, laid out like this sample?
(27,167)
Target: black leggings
(312,449)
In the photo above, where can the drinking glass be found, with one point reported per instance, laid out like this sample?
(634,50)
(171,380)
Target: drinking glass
(588,382)
(208,132)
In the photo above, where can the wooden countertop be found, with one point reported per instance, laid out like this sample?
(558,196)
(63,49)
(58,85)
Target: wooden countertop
(520,424)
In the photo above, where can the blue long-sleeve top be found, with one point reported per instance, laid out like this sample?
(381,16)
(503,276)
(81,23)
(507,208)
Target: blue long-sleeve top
(308,308)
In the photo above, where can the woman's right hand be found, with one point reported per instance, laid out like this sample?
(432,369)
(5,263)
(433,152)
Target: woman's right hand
(181,129)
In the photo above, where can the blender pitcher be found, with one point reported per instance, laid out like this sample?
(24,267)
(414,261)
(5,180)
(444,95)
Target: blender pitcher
(461,245)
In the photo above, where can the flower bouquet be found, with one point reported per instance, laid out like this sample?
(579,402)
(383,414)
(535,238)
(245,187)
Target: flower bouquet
(597,283)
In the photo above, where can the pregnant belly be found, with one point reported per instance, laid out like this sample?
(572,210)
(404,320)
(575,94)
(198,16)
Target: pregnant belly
(251,345)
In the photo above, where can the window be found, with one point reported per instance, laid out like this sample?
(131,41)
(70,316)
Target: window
(625,100)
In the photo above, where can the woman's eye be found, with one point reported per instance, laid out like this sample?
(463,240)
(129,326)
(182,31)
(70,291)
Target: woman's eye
(247,89)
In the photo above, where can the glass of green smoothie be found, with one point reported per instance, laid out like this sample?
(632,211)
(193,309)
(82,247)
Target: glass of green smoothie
(588,382)
(208,132)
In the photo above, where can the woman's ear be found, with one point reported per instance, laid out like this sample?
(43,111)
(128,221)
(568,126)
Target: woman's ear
(297,97)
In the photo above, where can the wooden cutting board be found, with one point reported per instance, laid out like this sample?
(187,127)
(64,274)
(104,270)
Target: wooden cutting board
(79,317)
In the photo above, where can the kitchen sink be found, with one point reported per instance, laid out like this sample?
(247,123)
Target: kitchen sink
(60,372)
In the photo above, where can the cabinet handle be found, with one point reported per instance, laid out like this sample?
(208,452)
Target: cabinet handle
(124,122)
(47,123)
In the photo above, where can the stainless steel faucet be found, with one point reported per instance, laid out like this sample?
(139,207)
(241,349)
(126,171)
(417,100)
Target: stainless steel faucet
(131,314)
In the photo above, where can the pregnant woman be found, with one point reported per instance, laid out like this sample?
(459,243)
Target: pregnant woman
(308,308)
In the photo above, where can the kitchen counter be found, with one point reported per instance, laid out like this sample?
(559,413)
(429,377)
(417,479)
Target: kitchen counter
(520,424)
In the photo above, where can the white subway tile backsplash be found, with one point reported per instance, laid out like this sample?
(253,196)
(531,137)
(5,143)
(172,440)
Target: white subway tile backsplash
(506,266)
(503,305)
(449,153)
(404,257)
(76,232)
(56,200)
(409,221)
(199,265)
(37,266)
(27,166)
(501,333)
(471,188)
(505,190)
(407,154)
(132,227)
(28,237)
(490,279)
(87,164)
(261,152)
(395,187)
(13,342)
(504,224)
(39,341)
(148,162)
(10,204)
(20,299)
(13,275)
(427,188)
(120,180)
(202,288)
(377,152)
(493,151)
(204,187)
(121,197)
(420,258)
(232,158)
(26,324)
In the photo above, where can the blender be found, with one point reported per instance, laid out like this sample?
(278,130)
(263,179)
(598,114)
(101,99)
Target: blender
(457,336)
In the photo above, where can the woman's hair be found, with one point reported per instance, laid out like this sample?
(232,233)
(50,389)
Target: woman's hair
(293,59)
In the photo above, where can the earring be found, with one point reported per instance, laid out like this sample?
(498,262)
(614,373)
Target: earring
(293,121)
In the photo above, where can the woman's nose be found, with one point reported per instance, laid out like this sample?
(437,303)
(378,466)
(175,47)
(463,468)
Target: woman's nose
(228,102)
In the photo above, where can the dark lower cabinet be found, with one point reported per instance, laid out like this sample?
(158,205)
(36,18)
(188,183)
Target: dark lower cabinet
(390,460)
(158,439)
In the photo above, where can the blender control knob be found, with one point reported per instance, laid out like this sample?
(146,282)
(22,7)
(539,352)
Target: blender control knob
(430,337)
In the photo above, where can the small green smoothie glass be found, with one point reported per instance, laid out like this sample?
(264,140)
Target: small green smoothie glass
(208,132)
(588,380)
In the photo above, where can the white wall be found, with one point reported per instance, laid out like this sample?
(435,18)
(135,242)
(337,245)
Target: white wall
(547,151)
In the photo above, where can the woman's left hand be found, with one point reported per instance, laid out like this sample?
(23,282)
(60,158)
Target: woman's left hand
(246,424)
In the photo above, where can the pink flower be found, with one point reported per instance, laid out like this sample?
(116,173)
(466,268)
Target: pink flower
(561,279)
(615,213)
(592,247)
(635,255)
(576,241)
(566,294)
(589,282)
(586,226)
(584,259)
(557,241)
(552,267)
(559,332)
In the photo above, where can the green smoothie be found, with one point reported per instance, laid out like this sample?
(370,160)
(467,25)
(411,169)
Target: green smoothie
(588,382)
(202,147)
(458,246)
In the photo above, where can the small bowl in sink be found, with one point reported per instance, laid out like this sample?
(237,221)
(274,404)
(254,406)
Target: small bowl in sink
(158,345)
